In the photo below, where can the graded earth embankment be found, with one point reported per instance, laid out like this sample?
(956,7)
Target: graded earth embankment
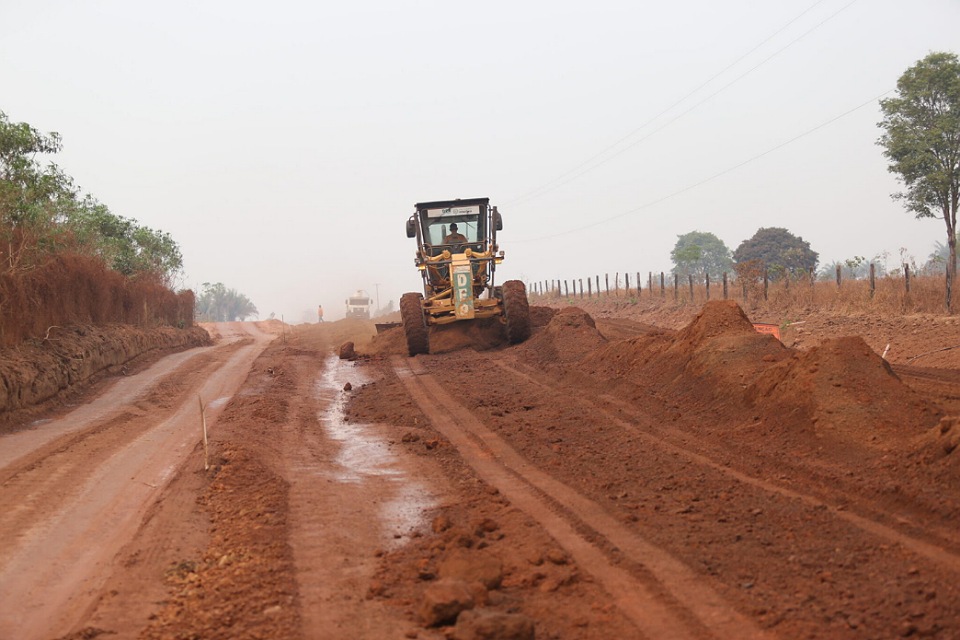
(38,370)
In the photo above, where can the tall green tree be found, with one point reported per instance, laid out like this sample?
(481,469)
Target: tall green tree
(779,251)
(42,213)
(700,253)
(217,303)
(921,139)
(33,198)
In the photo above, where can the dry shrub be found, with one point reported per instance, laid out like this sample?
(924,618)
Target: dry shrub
(73,289)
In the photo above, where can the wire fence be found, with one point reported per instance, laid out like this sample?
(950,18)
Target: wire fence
(900,291)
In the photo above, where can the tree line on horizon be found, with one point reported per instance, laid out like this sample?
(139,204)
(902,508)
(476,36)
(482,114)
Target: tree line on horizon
(783,254)
(921,141)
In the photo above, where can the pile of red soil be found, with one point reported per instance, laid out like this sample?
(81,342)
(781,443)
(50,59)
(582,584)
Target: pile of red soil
(719,353)
(569,336)
(842,389)
(479,335)
(718,364)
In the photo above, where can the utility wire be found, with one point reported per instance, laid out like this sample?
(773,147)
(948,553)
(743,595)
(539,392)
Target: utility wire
(588,165)
(651,203)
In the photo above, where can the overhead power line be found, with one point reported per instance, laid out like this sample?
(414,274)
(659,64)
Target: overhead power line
(719,174)
(589,165)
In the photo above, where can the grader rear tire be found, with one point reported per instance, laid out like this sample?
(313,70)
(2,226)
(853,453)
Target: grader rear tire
(516,311)
(414,323)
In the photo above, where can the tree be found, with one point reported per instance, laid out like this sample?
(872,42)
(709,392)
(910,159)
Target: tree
(921,139)
(125,246)
(32,197)
(43,213)
(698,254)
(779,251)
(216,303)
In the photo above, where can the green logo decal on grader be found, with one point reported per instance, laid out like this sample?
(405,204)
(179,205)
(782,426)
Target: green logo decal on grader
(457,255)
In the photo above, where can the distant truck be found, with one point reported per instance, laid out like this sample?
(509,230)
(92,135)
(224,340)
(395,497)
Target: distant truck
(358,305)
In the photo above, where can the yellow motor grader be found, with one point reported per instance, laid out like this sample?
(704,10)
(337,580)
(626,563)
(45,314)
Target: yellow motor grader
(457,254)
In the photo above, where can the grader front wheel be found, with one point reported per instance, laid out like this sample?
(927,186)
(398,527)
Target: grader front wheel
(414,323)
(516,311)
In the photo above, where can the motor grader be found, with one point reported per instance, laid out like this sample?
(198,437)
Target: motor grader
(457,255)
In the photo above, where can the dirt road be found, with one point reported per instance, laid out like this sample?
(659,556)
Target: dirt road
(604,479)
(75,489)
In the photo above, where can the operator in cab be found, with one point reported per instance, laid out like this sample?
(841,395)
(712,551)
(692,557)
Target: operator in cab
(454,237)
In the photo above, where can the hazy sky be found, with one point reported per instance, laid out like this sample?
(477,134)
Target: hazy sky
(284,144)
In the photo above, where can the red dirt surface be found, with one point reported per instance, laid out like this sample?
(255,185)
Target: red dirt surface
(620,474)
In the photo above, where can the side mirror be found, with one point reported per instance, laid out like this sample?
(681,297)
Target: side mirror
(411,228)
(497,220)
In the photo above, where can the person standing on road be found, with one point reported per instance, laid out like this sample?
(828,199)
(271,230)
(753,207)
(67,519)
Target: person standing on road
(319,314)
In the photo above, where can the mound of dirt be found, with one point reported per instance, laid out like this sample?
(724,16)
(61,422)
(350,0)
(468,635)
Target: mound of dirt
(541,316)
(844,390)
(391,342)
(480,335)
(569,336)
(719,353)
(720,318)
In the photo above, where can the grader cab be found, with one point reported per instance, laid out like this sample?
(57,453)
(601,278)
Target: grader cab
(457,255)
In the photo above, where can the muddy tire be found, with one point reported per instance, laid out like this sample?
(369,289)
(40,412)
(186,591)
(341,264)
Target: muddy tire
(516,311)
(414,323)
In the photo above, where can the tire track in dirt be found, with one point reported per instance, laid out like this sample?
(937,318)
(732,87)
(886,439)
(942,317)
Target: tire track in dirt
(55,473)
(676,603)
(107,475)
(933,552)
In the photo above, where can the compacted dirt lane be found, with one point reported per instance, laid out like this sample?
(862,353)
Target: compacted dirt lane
(74,490)
(607,479)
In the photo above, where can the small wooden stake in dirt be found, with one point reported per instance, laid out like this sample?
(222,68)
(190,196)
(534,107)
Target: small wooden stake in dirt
(206,450)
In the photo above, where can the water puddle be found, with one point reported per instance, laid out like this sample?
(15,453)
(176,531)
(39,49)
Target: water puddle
(365,456)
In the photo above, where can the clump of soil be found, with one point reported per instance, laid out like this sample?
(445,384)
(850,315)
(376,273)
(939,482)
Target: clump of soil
(480,335)
(844,390)
(569,336)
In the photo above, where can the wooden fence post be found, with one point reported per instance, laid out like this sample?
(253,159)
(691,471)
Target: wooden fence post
(708,286)
(838,276)
(650,282)
(873,281)
(581,287)
(606,282)
(906,276)
(626,284)
(663,291)
(589,287)
(766,282)
(690,278)
(616,284)
(638,284)
(676,287)
(598,286)
(724,285)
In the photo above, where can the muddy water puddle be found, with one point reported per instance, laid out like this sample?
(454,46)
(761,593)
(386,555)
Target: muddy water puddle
(365,456)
